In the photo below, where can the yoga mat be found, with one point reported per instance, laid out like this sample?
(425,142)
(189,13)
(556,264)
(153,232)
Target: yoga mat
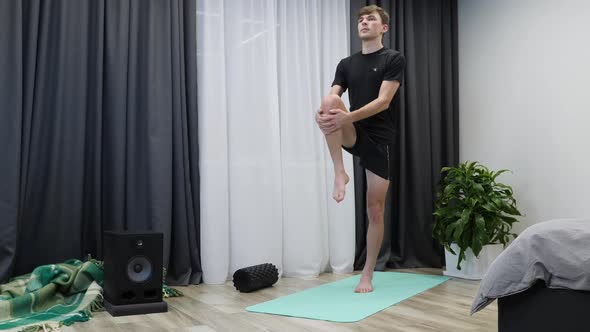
(337,302)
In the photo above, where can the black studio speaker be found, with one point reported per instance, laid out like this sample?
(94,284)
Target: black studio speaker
(133,273)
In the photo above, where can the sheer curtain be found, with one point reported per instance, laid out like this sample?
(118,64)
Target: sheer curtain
(266,175)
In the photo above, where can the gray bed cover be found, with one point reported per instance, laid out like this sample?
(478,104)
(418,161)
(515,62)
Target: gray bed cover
(556,251)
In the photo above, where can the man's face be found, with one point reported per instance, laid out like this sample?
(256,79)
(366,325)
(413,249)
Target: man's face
(370,26)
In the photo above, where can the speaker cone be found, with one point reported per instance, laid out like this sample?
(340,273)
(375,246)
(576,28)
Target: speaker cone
(139,269)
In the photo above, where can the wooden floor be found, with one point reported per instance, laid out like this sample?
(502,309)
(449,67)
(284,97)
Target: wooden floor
(220,308)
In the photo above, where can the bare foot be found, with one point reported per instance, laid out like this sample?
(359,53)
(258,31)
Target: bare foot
(365,285)
(340,181)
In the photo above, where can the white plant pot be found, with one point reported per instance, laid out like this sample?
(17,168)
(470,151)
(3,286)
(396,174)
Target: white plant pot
(472,267)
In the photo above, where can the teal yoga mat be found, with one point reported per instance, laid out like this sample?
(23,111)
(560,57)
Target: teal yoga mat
(337,302)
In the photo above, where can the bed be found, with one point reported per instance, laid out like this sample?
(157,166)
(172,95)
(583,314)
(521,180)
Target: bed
(542,279)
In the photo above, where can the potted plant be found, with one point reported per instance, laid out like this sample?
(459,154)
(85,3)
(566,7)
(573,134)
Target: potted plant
(473,213)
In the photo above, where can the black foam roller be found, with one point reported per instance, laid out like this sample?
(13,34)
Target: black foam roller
(255,277)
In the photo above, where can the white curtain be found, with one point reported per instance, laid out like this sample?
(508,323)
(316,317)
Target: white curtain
(266,175)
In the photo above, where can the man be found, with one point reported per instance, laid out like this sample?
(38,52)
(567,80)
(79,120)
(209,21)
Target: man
(372,76)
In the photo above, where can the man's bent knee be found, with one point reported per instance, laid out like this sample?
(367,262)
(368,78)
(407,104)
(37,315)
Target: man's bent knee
(332,102)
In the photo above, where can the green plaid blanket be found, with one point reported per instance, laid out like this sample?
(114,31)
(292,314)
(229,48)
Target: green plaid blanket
(55,295)
(51,296)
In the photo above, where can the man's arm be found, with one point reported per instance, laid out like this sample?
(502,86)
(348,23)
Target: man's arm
(336,118)
(387,91)
(337,90)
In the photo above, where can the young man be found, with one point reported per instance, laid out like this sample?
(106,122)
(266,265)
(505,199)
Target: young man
(372,78)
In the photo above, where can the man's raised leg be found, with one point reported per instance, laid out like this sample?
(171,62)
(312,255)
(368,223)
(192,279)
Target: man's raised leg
(335,140)
(376,193)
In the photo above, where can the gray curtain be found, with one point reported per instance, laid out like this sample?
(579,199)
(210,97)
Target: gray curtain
(98,130)
(425,32)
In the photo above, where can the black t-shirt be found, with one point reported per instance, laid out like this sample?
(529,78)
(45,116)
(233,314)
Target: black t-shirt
(362,75)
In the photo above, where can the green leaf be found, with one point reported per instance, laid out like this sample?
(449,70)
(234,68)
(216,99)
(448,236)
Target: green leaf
(498,174)
(465,216)
(478,188)
(452,227)
(489,207)
(509,209)
(449,189)
(509,220)
(447,247)
(503,186)
(443,211)
(480,227)
(461,258)
(458,232)
(476,245)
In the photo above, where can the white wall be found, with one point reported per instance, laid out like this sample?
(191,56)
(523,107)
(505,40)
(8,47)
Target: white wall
(524,96)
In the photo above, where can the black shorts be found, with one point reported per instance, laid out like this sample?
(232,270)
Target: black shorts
(373,156)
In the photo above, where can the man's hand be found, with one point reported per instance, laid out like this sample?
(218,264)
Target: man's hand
(338,118)
(322,121)
(332,120)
